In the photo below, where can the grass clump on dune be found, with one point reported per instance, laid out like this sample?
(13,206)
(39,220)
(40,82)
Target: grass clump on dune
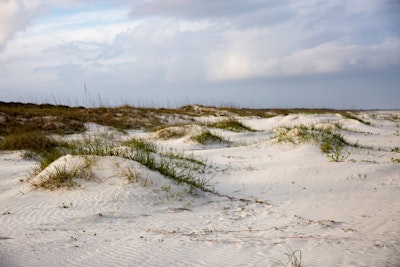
(63,173)
(330,141)
(232,124)
(206,137)
(59,178)
(175,166)
(172,132)
(178,167)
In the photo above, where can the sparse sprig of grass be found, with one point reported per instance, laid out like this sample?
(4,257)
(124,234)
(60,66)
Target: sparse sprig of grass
(131,175)
(294,258)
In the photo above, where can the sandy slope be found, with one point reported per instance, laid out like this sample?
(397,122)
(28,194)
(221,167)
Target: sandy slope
(336,213)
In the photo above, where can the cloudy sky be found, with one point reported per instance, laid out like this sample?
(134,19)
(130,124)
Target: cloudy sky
(253,53)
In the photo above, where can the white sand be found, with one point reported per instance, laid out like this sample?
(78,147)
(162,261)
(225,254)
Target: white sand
(336,213)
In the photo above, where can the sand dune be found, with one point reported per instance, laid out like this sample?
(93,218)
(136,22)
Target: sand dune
(273,197)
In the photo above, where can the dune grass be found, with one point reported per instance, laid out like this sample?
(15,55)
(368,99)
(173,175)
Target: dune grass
(231,124)
(176,166)
(172,132)
(62,177)
(29,127)
(60,119)
(37,144)
(206,137)
(35,141)
(327,136)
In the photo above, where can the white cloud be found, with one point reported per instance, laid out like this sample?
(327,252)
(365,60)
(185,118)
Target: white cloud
(14,16)
(326,58)
(143,44)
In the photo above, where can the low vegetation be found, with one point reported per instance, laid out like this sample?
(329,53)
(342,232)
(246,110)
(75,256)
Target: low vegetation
(37,144)
(395,160)
(35,141)
(63,177)
(176,166)
(206,137)
(30,127)
(294,258)
(179,167)
(327,136)
(60,119)
(172,132)
(231,124)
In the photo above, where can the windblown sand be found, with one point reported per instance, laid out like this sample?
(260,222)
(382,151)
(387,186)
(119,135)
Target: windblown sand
(343,213)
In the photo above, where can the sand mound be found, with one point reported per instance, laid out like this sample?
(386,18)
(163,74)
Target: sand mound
(343,213)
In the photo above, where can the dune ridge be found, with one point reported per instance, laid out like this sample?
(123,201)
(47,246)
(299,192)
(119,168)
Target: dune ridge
(300,198)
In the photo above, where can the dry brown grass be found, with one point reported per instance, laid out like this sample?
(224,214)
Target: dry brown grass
(59,119)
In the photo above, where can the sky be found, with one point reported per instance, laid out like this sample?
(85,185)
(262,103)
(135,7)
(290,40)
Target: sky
(254,53)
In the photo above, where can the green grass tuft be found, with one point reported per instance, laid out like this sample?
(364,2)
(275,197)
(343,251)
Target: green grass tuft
(63,177)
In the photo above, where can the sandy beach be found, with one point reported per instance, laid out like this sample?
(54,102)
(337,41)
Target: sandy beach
(276,195)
